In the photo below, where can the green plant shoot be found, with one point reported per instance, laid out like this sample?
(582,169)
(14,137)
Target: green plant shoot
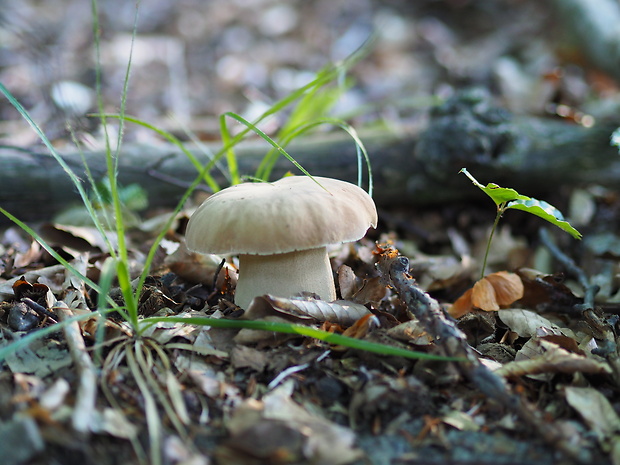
(506,198)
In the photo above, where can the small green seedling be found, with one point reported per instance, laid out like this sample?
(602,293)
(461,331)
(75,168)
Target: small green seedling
(506,198)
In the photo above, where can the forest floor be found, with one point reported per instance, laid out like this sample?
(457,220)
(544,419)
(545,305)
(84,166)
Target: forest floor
(541,384)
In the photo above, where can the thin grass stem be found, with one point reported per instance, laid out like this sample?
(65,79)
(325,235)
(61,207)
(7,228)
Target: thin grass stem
(500,212)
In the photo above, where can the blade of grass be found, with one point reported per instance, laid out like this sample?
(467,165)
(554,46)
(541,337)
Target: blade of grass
(74,178)
(313,104)
(153,419)
(203,148)
(324,336)
(361,152)
(55,254)
(131,298)
(268,139)
(233,169)
(173,140)
(110,365)
(147,366)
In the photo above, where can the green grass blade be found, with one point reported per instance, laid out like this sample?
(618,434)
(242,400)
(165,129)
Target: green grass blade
(360,148)
(39,132)
(131,298)
(313,104)
(324,336)
(231,159)
(176,142)
(269,140)
(52,252)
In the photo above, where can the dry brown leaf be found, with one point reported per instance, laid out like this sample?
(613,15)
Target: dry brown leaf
(508,287)
(77,238)
(527,323)
(362,326)
(199,268)
(248,357)
(489,294)
(550,358)
(371,292)
(340,311)
(546,292)
(24,259)
(483,295)
(440,272)
(347,281)
(462,305)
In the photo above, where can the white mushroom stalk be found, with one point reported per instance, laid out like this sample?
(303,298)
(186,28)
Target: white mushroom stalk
(280,231)
(285,275)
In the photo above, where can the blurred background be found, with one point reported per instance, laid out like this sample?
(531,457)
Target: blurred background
(193,60)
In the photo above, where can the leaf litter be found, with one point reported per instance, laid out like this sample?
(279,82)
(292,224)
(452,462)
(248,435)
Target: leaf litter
(225,382)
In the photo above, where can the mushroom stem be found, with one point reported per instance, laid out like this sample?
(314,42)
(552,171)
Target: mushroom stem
(285,275)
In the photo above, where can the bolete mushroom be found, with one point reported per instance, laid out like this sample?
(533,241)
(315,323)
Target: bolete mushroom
(280,231)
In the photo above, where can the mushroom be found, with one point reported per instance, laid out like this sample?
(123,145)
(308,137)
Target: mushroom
(280,231)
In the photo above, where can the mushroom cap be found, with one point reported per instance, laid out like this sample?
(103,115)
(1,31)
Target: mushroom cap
(294,213)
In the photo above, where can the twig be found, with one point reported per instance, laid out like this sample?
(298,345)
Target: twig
(452,342)
(40,309)
(82,418)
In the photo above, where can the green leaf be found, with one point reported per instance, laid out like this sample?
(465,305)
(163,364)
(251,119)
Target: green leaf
(546,212)
(498,194)
(506,198)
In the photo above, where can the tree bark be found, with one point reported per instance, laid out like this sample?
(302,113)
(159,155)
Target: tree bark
(533,155)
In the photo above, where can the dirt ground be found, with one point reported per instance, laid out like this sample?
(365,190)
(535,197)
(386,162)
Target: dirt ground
(538,376)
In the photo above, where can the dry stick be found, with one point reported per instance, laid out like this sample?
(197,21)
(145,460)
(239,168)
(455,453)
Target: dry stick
(84,408)
(452,342)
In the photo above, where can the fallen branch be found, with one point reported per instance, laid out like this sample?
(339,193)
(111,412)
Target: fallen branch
(452,343)
(536,155)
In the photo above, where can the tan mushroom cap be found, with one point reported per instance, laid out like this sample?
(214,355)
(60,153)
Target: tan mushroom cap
(294,213)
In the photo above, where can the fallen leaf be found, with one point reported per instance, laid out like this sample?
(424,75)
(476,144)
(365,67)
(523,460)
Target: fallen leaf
(342,312)
(248,357)
(347,281)
(527,323)
(412,332)
(489,294)
(278,430)
(508,287)
(599,414)
(199,268)
(483,295)
(543,357)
